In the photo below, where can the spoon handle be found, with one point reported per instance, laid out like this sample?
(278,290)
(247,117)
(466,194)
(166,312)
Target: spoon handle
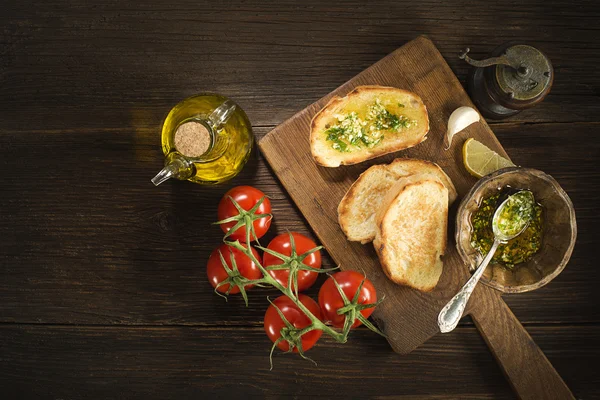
(453,311)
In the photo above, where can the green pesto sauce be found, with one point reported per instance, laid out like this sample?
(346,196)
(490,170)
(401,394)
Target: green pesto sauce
(516,251)
(352,132)
(515,214)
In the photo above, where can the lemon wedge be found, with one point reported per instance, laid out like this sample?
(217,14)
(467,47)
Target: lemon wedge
(480,160)
(458,121)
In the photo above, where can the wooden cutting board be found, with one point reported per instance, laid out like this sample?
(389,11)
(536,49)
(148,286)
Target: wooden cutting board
(409,317)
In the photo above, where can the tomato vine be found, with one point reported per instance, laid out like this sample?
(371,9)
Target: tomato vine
(289,334)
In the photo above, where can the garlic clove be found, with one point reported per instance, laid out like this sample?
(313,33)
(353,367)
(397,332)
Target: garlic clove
(459,120)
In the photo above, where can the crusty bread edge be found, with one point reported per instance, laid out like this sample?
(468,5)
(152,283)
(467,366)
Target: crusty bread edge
(313,136)
(379,244)
(343,207)
(360,158)
(447,182)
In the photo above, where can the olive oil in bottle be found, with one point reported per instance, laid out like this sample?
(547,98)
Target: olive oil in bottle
(206,139)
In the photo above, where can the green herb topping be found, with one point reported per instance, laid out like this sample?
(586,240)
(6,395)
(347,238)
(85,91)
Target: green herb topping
(516,214)
(516,251)
(352,132)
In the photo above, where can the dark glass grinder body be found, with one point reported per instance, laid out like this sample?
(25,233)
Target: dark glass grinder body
(496,100)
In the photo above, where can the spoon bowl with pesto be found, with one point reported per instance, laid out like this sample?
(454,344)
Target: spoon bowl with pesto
(511,218)
(537,255)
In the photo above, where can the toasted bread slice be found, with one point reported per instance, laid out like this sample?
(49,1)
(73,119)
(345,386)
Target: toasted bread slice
(356,211)
(386,119)
(411,232)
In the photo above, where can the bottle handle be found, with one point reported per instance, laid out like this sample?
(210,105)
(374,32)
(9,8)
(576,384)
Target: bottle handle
(221,114)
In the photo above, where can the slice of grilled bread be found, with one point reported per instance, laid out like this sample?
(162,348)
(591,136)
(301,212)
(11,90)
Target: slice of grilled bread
(411,232)
(356,211)
(384,120)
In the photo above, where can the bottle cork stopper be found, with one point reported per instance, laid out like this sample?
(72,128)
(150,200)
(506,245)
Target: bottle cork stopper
(192,139)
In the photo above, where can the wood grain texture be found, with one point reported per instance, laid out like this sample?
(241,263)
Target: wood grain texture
(132,229)
(525,366)
(294,51)
(186,362)
(94,277)
(87,241)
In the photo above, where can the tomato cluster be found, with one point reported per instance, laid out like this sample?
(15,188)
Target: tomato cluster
(291,262)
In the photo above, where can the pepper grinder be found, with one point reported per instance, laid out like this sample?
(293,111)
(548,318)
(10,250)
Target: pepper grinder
(515,77)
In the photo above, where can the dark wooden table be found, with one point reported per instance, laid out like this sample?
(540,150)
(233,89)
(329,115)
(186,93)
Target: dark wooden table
(103,291)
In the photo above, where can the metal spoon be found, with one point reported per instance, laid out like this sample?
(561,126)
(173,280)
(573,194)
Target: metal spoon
(504,230)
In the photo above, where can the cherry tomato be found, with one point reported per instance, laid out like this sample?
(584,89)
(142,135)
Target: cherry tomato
(246,197)
(330,299)
(217,274)
(295,316)
(281,244)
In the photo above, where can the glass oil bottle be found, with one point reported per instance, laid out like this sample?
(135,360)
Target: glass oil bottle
(206,139)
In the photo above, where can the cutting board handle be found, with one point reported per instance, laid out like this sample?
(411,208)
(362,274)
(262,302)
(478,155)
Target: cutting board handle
(528,370)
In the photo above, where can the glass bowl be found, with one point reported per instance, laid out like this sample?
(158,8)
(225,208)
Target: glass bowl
(560,230)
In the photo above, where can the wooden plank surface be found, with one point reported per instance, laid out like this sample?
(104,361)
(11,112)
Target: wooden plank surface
(35,255)
(87,241)
(115,53)
(188,362)
(93,278)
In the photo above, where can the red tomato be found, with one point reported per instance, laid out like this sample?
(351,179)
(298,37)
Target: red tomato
(281,244)
(295,316)
(246,197)
(217,274)
(330,299)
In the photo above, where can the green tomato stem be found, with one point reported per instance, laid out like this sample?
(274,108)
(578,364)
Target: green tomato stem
(295,263)
(267,278)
